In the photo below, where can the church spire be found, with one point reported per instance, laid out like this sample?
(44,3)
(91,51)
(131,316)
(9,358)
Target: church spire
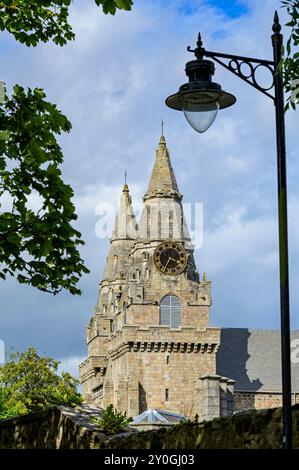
(125,222)
(123,237)
(163,182)
(162,217)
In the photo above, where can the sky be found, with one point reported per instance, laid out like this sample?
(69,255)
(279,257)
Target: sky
(112,83)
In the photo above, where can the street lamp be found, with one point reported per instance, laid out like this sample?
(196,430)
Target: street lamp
(200,99)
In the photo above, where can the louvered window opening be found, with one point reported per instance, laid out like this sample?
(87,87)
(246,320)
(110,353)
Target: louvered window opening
(170,311)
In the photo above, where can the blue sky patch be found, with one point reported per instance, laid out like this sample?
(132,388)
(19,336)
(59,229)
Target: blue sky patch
(233,8)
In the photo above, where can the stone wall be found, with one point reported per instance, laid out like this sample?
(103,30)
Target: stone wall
(252,430)
(57,428)
(61,428)
(246,400)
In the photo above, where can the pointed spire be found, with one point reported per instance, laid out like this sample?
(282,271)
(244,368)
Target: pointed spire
(125,222)
(122,239)
(162,217)
(163,182)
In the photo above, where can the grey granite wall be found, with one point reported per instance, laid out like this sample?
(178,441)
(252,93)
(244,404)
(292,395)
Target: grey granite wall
(61,428)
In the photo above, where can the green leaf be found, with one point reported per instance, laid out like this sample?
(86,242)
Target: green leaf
(37,280)
(291,23)
(22,279)
(4,135)
(124,4)
(39,93)
(45,248)
(13,238)
(110,6)
(53,170)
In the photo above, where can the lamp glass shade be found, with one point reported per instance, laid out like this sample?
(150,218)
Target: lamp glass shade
(200,110)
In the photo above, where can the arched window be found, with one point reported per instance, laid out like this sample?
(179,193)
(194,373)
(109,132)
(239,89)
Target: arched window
(170,311)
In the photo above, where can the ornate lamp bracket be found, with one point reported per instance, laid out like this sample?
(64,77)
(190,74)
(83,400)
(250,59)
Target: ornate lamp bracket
(236,64)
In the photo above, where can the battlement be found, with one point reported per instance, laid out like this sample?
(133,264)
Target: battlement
(163,339)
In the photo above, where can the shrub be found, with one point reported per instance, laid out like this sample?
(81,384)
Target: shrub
(112,421)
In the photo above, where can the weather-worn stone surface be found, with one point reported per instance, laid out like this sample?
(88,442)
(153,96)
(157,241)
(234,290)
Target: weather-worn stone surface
(66,428)
(57,428)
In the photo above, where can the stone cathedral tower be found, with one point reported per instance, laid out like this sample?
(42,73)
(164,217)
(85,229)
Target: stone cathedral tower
(149,341)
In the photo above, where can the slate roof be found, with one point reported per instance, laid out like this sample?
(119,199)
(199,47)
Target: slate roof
(252,358)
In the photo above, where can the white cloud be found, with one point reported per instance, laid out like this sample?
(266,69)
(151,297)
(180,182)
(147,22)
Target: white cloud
(238,242)
(70,364)
(34,201)
(91,197)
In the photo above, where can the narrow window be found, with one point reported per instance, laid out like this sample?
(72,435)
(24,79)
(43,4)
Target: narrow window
(166,394)
(167,359)
(148,221)
(125,312)
(170,224)
(159,225)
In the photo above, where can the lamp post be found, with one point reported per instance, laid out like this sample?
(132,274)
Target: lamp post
(200,99)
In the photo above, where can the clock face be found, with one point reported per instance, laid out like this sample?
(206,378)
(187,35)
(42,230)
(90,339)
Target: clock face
(170,258)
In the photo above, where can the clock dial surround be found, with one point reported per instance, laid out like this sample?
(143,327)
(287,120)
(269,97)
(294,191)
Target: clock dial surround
(170,258)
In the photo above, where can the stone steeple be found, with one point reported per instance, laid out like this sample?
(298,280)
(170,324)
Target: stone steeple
(163,182)
(162,217)
(123,236)
(125,223)
(116,270)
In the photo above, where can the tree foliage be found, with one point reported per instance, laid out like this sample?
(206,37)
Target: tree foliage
(34,21)
(29,382)
(291,54)
(39,246)
(111,6)
(112,421)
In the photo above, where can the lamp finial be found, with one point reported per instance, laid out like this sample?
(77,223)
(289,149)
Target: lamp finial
(276,25)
